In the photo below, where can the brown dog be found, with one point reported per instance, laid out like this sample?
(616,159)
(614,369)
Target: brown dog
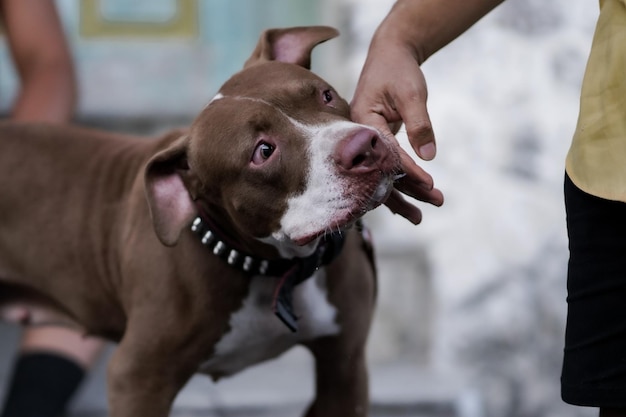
(186,248)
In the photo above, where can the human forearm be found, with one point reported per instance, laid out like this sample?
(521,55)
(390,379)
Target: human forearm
(48,93)
(42,60)
(425,26)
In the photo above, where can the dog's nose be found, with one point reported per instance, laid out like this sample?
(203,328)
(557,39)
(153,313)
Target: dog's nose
(361,151)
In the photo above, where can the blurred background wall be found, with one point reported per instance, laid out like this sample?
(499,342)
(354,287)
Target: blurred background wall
(476,294)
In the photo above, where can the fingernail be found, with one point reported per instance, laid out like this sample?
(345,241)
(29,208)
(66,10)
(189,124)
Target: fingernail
(427,152)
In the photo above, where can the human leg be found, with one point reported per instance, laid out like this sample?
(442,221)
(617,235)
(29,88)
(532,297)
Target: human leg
(68,342)
(594,369)
(50,367)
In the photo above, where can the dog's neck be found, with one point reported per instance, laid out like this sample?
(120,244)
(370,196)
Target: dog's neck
(227,248)
(232,252)
(291,271)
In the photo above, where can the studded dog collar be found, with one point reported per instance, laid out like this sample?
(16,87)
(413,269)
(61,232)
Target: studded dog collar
(291,271)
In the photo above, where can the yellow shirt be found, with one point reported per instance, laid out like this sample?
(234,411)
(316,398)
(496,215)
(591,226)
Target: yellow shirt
(596,161)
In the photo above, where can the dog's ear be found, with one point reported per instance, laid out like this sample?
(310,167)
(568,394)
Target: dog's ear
(171,206)
(291,45)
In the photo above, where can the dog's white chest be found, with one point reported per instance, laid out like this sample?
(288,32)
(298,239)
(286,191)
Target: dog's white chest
(257,334)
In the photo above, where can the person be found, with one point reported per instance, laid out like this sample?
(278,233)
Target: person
(392,89)
(51,361)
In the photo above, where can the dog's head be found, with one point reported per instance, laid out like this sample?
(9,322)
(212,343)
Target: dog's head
(274,154)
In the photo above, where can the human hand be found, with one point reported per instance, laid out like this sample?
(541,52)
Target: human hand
(391,91)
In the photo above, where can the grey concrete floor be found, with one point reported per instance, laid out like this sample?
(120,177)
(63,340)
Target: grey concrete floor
(279,388)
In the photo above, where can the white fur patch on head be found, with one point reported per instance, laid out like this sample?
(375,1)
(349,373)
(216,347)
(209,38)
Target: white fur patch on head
(218,96)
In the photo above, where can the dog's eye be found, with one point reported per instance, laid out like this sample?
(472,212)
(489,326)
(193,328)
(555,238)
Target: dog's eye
(262,152)
(266,150)
(327,96)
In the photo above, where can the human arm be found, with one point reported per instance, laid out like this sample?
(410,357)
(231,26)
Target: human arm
(392,88)
(42,60)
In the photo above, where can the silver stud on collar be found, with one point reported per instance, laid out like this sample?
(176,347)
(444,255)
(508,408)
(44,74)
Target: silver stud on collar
(219,248)
(263,267)
(247,263)
(208,238)
(233,257)
(196,225)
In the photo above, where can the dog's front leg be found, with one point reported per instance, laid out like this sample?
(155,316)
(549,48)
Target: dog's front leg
(144,376)
(341,379)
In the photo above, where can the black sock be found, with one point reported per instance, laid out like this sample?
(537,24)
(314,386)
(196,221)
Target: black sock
(42,385)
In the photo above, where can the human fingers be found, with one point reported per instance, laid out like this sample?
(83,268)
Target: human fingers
(398,205)
(410,104)
(416,182)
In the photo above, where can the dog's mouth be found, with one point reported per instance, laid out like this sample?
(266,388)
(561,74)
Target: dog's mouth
(345,217)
